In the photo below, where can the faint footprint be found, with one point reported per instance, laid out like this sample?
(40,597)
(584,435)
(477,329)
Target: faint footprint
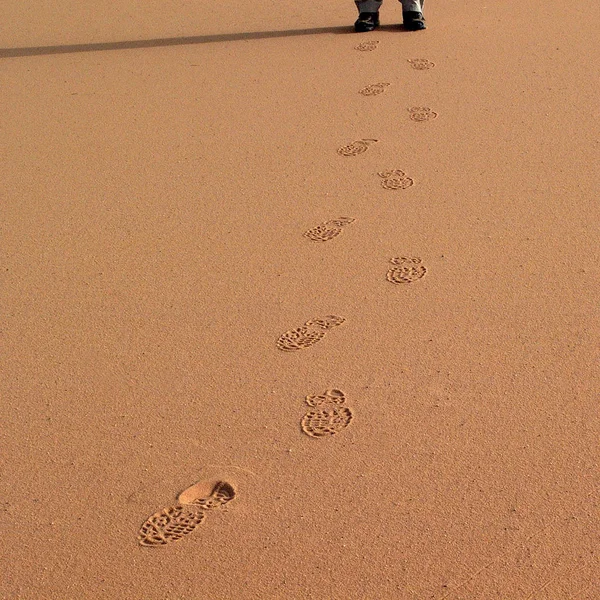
(422,113)
(395,180)
(374,89)
(367,46)
(328,230)
(421,64)
(328,322)
(328,415)
(355,148)
(309,334)
(173,523)
(406,270)
(297,339)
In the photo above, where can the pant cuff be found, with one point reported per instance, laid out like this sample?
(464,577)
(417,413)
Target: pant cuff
(368,5)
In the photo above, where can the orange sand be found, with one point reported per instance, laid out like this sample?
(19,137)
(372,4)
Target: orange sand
(161,162)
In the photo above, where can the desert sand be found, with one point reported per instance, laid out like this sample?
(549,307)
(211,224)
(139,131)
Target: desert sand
(185,186)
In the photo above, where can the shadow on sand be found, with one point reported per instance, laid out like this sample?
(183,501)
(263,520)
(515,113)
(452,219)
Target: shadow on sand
(178,41)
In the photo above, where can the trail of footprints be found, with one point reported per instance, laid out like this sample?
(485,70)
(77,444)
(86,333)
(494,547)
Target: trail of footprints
(327,413)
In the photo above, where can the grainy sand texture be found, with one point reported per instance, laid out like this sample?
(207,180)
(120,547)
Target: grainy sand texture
(294,313)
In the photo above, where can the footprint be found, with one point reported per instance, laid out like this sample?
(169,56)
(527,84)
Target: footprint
(173,523)
(367,46)
(374,89)
(406,270)
(328,415)
(328,230)
(421,64)
(395,180)
(326,323)
(170,525)
(355,148)
(309,334)
(297,339)
(422,113)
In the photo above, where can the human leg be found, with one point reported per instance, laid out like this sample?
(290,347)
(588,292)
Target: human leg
(411,5)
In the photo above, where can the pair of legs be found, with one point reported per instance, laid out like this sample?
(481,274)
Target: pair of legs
(368,18)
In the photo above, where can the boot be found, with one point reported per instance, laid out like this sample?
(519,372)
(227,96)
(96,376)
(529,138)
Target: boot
(413,20)
(367,21)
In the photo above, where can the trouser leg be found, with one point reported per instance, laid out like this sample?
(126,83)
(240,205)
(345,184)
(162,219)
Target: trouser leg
(412,5)
(369,6)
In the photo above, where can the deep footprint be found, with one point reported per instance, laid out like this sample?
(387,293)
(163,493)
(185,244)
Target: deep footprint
(173,523)
(328,230)
(367,46)
(395,180)
(422,113)
(355,148)
(374,89)
(309,334)
(406,270)
(328,415)
(221,494)
(421,64)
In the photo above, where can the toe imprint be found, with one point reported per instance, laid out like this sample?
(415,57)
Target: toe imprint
(329,397)
(374,89)
(341,222)
(328,322)
(221,495)
(421,64)
(355,148)
(406,270)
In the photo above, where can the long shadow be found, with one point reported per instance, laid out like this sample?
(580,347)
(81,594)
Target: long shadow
(178,41)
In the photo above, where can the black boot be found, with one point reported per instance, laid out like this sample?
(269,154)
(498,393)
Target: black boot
(367,21)
(413,20)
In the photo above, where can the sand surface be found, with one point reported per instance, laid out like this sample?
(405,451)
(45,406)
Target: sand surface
(160,164)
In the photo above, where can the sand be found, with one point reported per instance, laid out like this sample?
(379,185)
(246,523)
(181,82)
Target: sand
(161,164)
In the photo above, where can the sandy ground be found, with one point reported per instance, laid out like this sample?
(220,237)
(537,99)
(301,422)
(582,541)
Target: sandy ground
(160,164)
